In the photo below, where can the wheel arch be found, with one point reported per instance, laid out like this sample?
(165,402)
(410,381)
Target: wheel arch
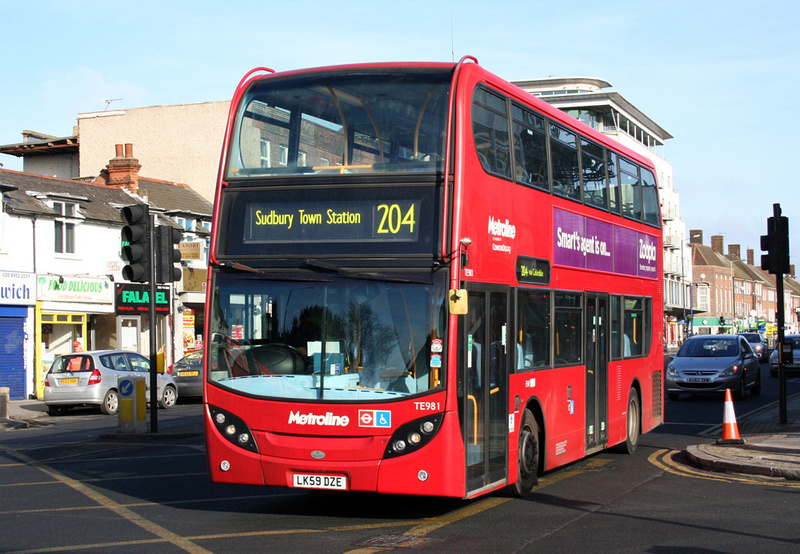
(637,386)
(534,405)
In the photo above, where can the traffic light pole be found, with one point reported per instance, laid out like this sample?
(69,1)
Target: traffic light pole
(150,254)
(781,362)
(776,261)
(151,311)
(781,230)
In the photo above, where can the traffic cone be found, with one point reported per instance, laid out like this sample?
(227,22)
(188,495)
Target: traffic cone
(730,430)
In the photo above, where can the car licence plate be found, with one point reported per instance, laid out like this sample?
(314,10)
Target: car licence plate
(188,374)
(70,381)
(330,482)
(699,379)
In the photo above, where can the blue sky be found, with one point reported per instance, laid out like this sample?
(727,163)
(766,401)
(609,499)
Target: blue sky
(720,76)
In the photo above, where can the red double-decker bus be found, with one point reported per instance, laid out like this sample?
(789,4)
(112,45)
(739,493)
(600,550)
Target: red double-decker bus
(423,280)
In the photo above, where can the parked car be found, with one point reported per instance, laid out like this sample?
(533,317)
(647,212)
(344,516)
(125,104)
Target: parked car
(759,345)
(188,375)
(793,365)
(90,378)
(713,363)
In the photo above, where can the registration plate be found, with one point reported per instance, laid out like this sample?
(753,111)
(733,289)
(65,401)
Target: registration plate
(330,482)
(71,381)
(699,379)
(188,374)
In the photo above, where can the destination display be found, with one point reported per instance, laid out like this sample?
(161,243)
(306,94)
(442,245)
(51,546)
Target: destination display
(332,221)
(269,223)
(534,271)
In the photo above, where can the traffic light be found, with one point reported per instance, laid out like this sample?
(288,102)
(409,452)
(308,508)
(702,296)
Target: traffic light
(136,233)
(776,244)
(167,255)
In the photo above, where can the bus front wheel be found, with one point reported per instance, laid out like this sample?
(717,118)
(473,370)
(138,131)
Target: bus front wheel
(528,455)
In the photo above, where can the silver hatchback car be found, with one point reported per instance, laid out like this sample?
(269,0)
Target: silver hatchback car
(90,378)
(713,363)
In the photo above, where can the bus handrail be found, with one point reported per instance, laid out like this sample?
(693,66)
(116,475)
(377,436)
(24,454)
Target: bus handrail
(454,277)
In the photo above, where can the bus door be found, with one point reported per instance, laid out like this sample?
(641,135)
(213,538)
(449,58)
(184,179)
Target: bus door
(484,375)
(596,371)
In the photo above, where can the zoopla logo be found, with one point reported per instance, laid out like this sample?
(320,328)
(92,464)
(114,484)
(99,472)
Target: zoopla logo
(647,251)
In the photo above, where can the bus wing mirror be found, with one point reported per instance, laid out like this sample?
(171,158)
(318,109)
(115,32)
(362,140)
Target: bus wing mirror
(458,301)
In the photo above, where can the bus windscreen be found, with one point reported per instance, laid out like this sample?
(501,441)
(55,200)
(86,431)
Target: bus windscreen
(388,121)
(332,338)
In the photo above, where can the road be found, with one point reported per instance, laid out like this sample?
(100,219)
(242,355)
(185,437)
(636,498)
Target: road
(63,488)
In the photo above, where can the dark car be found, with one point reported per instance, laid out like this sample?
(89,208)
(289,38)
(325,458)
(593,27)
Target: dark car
(758,344)
(792,366)
(713,363)
(188,375)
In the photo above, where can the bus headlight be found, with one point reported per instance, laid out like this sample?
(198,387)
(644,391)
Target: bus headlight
(413,435)
(233,428)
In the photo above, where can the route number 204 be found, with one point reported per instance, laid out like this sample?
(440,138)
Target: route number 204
(392,219)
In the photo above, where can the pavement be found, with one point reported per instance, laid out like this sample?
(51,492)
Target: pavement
(26,414)
(769,448)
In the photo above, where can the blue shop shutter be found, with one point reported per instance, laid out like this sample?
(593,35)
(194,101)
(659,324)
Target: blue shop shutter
(12,365)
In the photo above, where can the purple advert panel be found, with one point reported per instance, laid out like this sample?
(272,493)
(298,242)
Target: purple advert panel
(588,243)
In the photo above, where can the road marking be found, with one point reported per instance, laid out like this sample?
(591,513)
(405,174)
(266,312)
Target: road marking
(665,459)
(417,534)
(423,529)
(106,502)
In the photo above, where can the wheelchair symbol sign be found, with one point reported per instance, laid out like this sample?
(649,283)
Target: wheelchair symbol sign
(374,418)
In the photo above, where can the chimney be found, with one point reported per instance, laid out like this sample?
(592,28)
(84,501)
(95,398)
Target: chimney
(696,236)
(717,243)
(123,169)
(735,251)
(750,257)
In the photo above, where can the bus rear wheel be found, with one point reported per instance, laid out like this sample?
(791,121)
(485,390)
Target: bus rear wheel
(633,428)
(528,455)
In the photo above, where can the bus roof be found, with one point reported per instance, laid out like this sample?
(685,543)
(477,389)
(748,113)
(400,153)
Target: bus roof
(481,74)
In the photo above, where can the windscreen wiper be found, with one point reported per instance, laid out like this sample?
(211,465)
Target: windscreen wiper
(319,265)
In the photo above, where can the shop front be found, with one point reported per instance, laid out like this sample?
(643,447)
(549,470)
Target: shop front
(73,313)
(17,302)
(132,306)
(193,303)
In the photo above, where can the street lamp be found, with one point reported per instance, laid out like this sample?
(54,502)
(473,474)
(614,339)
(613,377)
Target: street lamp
(691,302)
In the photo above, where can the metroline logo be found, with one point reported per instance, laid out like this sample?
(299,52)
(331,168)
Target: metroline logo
(316,419)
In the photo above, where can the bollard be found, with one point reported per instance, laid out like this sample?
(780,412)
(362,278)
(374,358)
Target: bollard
(132,403)
(5,393)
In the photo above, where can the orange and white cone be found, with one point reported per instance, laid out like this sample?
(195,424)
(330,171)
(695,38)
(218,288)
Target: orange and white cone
(730,430)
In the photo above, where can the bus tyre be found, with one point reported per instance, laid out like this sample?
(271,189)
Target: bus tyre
(632,426)
(528,455)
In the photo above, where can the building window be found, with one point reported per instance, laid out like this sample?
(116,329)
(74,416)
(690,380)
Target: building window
(64,229)
(266,152)
(702,298)
(185,223)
